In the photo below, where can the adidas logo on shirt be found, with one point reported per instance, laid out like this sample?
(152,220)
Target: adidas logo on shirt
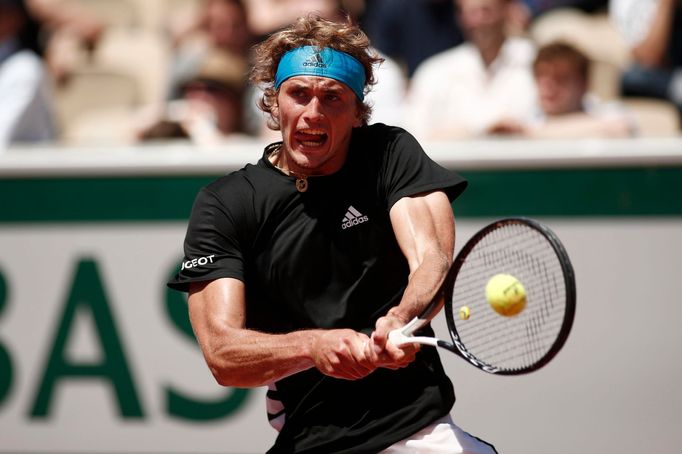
(353,217)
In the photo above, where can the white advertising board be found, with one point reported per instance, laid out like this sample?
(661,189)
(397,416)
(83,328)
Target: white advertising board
(94,357)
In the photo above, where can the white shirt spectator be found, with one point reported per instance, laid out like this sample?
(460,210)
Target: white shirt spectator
(454,94)
(632,18)
(387,96)
(25,109)
(596,119)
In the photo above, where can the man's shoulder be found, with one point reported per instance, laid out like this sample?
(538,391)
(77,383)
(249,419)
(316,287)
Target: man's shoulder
(238,181)
(437,63)
(24,65)
(379,130)
(520,49)
(378,137)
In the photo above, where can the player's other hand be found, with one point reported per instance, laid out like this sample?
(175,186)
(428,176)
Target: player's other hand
(383,352)
(342,353)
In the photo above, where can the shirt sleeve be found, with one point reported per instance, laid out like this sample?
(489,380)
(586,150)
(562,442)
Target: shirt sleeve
(25,111)
(408,171)
(213,247)
(632,18)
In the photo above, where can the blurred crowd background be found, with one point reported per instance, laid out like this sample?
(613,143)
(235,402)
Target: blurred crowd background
(127,72)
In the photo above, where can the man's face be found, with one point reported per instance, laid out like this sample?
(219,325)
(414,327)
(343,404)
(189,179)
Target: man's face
(223,105)
(481,19)
(316,116)
(560,87)
(226,26)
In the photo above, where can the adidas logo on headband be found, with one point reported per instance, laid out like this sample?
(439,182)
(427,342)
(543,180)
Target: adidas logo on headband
(315,60)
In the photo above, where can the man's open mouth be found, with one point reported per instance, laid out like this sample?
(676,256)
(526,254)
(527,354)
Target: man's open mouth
(311,137)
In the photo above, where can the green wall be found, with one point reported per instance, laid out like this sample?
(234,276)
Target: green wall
(631,191)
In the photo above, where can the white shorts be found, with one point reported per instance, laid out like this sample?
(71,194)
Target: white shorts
(441,437)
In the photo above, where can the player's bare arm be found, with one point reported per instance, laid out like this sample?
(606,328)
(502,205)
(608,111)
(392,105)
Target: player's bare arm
(241,357)
(425,229)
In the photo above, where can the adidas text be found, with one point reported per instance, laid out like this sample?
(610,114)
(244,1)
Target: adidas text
(355,221)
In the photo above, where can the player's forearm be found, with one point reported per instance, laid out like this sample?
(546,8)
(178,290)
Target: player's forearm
(423,286)
(425,229)
(248,358)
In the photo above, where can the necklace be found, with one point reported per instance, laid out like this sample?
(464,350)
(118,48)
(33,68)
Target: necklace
(301,179)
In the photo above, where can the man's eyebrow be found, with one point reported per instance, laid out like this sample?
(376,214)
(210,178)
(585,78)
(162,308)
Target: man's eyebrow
(332,86)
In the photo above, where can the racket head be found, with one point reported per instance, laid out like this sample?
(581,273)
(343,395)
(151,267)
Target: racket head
(527,341)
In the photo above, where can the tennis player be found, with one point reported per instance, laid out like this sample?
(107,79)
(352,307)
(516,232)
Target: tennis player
(298,266)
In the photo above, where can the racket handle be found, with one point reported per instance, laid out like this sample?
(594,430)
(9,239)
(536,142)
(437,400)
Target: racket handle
(397,338)
(402,336)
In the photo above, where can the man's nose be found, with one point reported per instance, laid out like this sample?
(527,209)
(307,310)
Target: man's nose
(313,110)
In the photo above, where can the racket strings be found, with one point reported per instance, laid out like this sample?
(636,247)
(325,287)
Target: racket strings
(511,342)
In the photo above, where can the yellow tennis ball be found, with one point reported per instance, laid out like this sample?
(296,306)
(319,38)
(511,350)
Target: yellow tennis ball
(505,294)
(464,312)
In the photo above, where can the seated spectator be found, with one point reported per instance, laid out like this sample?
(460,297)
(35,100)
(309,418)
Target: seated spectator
(410,31)
(387,96)
(653,31)
(566,109)
(524,12)
(210,108)
(68,32)
(221,25)
(463,91)
(25,100)
(268,16)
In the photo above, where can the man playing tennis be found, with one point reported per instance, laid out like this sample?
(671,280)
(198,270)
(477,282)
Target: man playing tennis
(298,267)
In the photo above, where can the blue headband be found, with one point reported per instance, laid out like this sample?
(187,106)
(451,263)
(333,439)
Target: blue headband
(325,62)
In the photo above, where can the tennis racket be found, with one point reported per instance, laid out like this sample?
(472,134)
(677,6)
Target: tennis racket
(537,323)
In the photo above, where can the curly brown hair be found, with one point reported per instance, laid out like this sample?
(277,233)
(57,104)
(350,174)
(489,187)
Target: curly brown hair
(560,51)
(311,30)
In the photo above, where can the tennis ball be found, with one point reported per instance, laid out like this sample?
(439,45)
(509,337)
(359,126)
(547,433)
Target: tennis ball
(505,294)
(464,312)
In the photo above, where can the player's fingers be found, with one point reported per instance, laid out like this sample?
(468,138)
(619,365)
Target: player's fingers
(403,355)
(384,326)
(354,358)
(342,368)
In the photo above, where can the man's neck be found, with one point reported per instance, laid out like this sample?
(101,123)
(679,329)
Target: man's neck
(490,49)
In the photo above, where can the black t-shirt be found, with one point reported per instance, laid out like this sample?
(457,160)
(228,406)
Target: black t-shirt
(326,258)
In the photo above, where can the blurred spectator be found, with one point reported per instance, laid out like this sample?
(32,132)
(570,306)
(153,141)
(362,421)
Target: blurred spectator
(653,31)
(410,31)
(387,96)
(210,108)
(66,32)
(464,91)
(524,12)
(25,99)
(566,109)
(221,25)
(268,16)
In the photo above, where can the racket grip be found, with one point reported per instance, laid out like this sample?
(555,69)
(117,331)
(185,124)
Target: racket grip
(402,336)
(397,338)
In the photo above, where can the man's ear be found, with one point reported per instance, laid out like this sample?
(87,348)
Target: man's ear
(358,115)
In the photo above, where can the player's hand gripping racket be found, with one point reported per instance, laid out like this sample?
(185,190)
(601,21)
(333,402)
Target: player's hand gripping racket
(509,299)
